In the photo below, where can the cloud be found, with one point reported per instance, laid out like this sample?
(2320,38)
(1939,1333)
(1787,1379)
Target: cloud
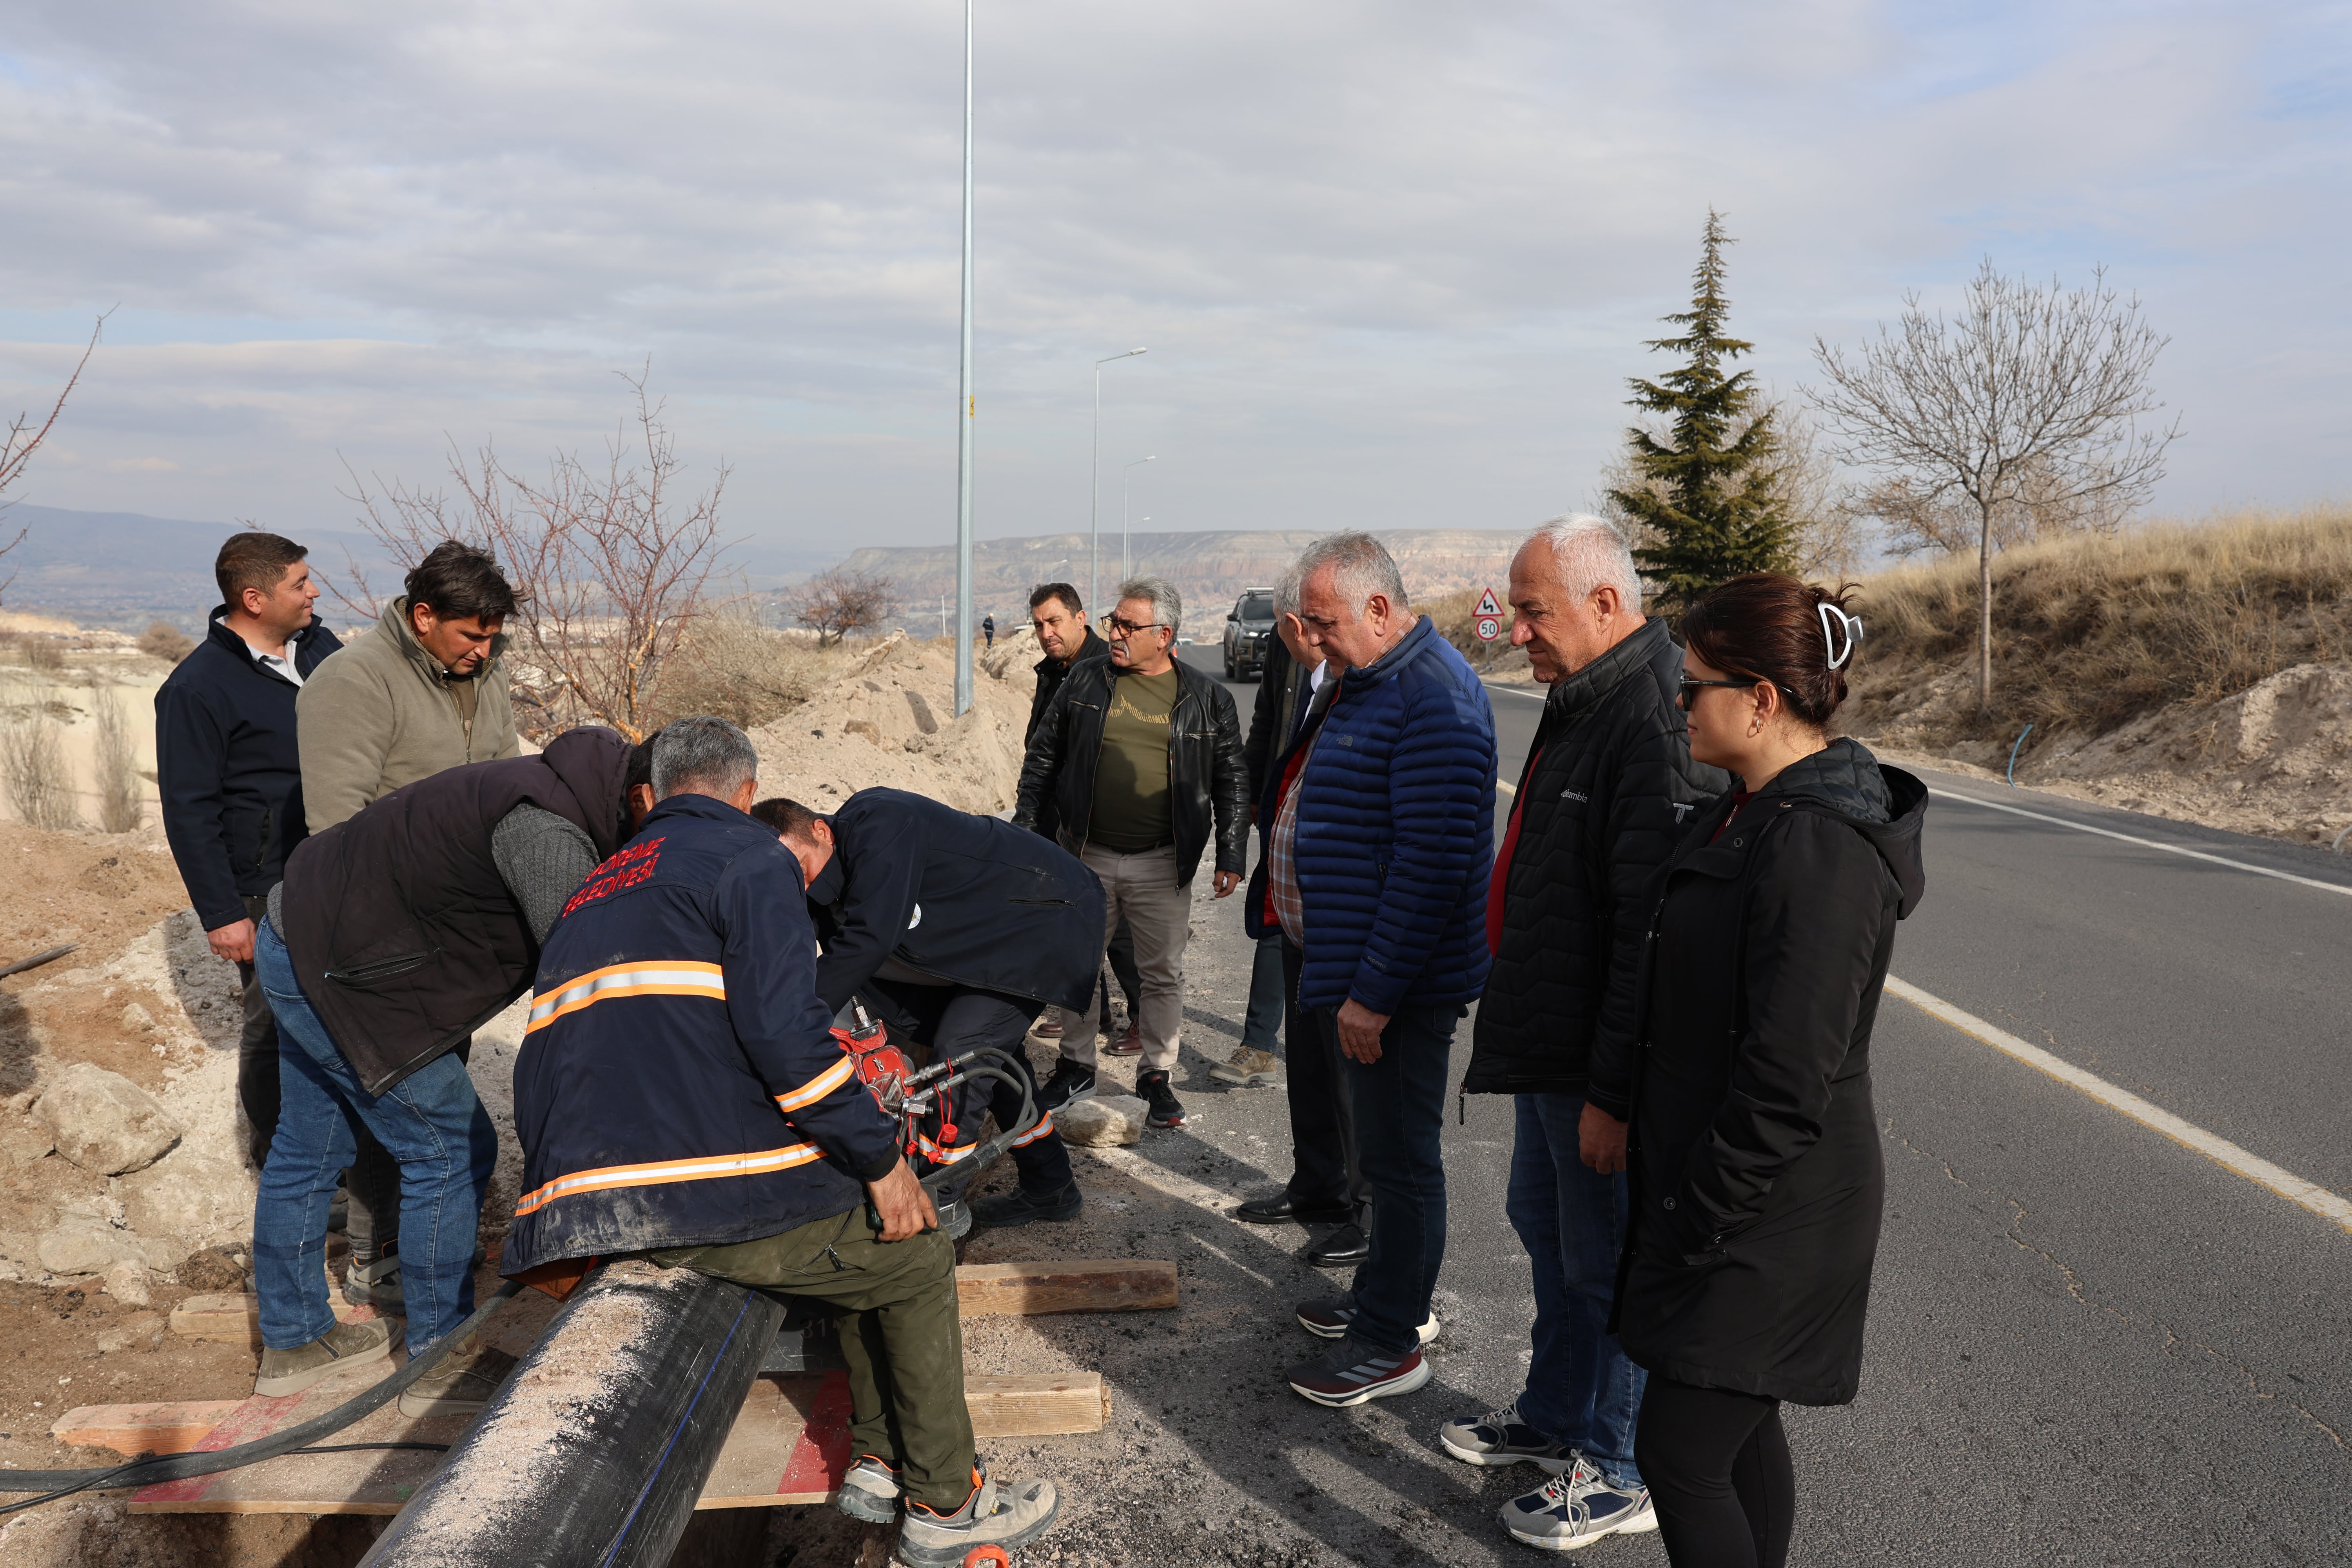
(1394,261)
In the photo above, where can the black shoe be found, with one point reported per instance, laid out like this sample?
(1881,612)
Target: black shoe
(1070,1082)
(1166,1111)
(1281,1209)
(1019,1206)
(1331,1318)
(1343,1249)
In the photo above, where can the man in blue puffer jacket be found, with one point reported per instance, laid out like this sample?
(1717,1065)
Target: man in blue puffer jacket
(1381,849)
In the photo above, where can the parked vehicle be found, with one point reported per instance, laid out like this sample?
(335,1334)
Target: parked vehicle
(1249,628)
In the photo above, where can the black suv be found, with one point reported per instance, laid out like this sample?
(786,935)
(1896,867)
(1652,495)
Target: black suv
(1248,630)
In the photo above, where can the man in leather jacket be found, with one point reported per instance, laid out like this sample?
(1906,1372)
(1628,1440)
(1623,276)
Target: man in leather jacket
(1140,756)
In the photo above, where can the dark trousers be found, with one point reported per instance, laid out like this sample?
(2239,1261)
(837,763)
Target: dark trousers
(1717,1463)
(257,1049)
(1262,1024)
(1324,1170)
(895,1302)
(1400,1105)
(952,1020)
(1119,953)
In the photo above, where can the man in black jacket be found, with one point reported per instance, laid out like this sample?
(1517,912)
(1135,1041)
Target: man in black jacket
(1138,753)
(1607,786)
(955,929)
(230,774)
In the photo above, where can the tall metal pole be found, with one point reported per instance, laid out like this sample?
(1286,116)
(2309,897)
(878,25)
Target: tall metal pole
(1094,489)
(965,411)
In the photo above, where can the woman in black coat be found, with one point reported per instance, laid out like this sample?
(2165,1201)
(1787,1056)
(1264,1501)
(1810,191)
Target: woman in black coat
(1757,1177)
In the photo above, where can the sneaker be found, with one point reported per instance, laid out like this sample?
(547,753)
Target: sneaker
(1130,1044)
(1021,1205)
(1577,1507)
(1247,1069)
(346,1344)
(1166,1111)
(1500,1437)
(1353,1371)
(1007,1518)
(869,1492)
(1332,1318)
(1071,1081)
(460,1383)
(376,1285)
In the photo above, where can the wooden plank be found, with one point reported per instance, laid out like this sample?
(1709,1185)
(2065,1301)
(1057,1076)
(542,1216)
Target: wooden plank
(1074,1285)
(234,1318)
(1035,1405)
(132,1430)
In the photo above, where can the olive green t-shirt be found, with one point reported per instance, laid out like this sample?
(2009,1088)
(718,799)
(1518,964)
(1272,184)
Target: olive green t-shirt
(1130,809)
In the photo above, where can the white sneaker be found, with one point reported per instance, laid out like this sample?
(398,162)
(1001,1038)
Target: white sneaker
(1576,1507)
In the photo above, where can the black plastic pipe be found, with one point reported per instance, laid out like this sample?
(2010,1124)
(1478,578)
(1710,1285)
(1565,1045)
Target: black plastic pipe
(593,1453)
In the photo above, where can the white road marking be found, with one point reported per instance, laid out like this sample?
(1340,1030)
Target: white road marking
(1515,691)
(2147,843)
(2221,1150)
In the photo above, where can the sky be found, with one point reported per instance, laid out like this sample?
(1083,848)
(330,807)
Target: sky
(1393,262)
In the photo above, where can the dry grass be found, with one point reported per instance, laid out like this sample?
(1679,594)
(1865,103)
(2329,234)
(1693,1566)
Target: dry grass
(116,759)
(2092,631)
(33,765)
(166,642)
(736,668)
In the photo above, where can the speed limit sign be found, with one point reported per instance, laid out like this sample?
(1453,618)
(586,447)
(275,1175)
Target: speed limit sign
(1489,628)
(1490,617)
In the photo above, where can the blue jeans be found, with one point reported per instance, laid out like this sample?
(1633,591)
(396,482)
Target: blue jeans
(431,1121)
(1261,1024)
(1400,1105)
(1581,1391)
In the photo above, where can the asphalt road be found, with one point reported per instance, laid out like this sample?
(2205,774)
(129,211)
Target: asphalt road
(2089,1342)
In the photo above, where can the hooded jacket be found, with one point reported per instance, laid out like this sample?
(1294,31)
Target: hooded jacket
(1757,1177)
(404,933)
(678,1083)
(1606,791)
(228,768)
(383,713)
(1396,831)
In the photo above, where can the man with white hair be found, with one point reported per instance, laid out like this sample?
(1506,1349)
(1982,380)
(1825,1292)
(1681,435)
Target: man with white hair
(1599,804)
(1383,836)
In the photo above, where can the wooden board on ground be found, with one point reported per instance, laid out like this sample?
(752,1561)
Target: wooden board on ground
(132,1430)
(1076,1284)
(790,1443)
(234,1318)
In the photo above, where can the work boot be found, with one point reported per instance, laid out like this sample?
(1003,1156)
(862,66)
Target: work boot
(376,1285)
(460,1383)
(345,1344)
(870,1491)
(1021,1205)
(955,1218)
(1008,1518)
(1247,1069)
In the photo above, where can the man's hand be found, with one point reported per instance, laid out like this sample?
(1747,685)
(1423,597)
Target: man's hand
(1360,1031)
(234,942)
(1226,881)
(905,1207)
(1601,1140)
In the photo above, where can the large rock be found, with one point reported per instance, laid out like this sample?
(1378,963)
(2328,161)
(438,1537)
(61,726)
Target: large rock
(88,1249)
(1103,1121)
(22,1142)
(103,1122)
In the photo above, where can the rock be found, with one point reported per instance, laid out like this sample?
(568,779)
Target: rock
(137,1019)
(127,1283)
(194,1196)
(86,1249)
(212,1271)
(139,1329)
(1102,1121)
(22,1142)
(103,1122)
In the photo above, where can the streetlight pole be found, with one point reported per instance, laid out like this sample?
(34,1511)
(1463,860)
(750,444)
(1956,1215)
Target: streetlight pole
(1122,513)
(1094,486)
(965,411)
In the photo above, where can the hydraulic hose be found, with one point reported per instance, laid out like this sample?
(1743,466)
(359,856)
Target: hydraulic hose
(56,1484)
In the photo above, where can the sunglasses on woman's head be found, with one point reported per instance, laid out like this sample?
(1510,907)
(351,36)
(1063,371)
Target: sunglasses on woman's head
(1689,687)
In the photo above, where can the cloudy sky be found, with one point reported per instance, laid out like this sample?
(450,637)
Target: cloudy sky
(1394,260)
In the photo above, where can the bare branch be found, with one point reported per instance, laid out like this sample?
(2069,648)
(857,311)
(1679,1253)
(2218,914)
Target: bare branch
(24,439)
(836,604)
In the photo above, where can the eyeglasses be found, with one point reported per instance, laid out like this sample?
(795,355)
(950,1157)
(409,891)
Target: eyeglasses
(1689,687)
(1119,628)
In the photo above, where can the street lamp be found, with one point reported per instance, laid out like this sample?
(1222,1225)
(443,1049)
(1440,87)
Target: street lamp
(1094,484)
(964,414)
(1122,513)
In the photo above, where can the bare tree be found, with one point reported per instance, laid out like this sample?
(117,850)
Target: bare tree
(609,564)
(25,438)
(2028,397)
(837,603)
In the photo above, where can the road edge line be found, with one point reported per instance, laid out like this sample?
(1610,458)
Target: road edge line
(2145,843)
(2309,1196)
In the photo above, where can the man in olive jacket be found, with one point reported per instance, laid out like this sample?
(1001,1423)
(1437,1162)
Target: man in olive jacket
(1601,801)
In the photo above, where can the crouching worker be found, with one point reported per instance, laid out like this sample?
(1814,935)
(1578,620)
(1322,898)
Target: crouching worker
(680,1097)
(396,934)
(956,929)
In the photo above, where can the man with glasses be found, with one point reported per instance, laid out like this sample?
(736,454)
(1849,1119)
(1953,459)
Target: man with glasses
(1139,755)
(1601,801)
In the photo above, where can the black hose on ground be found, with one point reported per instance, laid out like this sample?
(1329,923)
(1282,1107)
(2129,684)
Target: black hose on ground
(56,1484)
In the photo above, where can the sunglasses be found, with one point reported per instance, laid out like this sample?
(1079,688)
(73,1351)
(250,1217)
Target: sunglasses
(1120,628)
(1689,689)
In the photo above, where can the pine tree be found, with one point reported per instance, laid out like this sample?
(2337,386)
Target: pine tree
(1704,505)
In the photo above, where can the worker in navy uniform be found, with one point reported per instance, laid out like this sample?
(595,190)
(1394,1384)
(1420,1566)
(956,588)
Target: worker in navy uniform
(955,929)
(680,1097)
